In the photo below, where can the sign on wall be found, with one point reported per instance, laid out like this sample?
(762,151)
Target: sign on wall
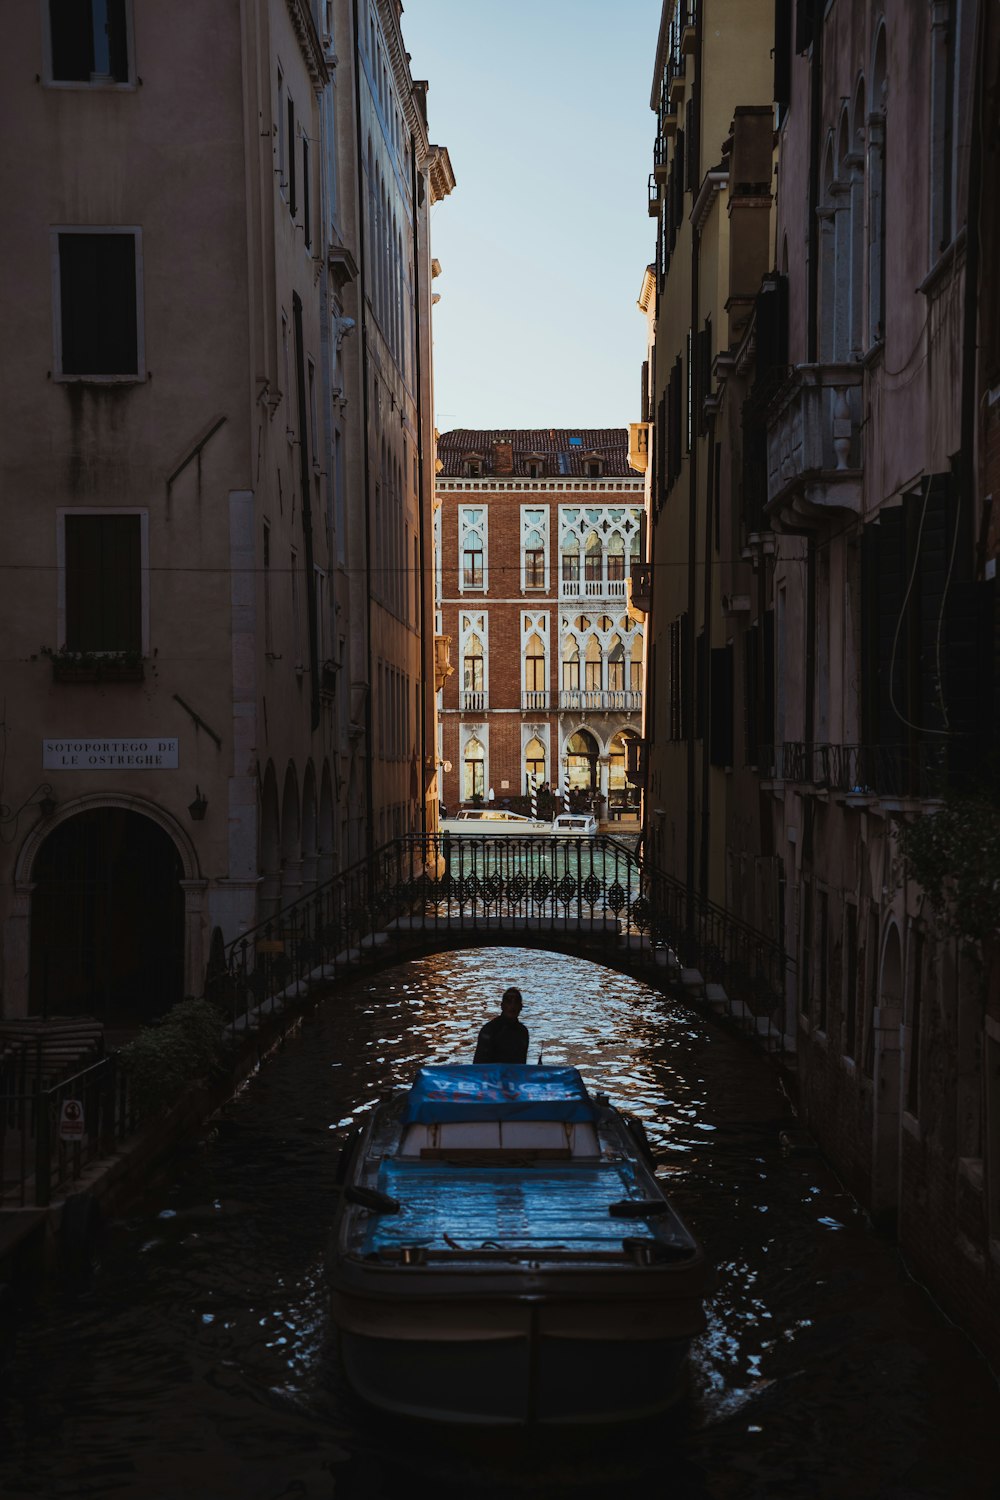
(109,755)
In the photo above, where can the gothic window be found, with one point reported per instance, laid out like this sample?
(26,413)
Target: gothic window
(616,667)
(534,538)
(534,666)
(592,558)
(571,667)
(474,768)
(534,762)
(616,558)
(472,546)
(592,666)
(473,665)
(571,562)
(635,664)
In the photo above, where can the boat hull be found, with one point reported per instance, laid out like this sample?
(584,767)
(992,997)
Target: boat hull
(517,1360)
(516,1381)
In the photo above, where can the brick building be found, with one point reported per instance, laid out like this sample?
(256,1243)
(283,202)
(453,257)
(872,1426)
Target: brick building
(535,535)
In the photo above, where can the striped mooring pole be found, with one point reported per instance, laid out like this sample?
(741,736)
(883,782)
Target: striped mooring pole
(533,783)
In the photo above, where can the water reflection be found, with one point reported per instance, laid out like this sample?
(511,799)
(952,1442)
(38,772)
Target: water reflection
(200,1361)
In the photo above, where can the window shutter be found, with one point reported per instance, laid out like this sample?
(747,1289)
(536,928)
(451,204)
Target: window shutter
(103,572)
(751,694)
(700,686)
(97,295)
(118,40)
(804,24)
(766,733)
(721,691)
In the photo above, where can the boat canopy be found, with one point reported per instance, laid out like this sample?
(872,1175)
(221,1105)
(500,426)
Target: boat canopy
(497,1091)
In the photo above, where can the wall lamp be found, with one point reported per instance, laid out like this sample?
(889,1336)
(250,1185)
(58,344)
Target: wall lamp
(198,807)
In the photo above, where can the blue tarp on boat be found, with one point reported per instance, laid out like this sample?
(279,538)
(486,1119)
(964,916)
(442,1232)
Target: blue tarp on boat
(480,1207)
(497,1091)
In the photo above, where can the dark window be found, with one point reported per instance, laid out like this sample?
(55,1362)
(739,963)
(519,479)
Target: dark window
(534,568)
(822,958)
(806,966)
(721,691)
(292,202)
(89,41)
(916,1002)
(97,304)
(103,573)
(472,569)
(306,217)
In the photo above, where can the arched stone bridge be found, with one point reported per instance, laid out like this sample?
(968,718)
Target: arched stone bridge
(592,898)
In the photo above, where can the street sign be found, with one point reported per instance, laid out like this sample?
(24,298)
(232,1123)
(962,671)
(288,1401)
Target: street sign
(71,1120)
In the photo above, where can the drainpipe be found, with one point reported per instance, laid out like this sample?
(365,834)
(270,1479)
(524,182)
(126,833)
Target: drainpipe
(425,626)
(363,315)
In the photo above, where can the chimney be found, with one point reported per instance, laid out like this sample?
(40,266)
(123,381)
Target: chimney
(503,458)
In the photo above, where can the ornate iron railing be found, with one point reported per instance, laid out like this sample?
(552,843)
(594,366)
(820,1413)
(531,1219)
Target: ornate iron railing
(917,770)
(429,886)
(34,1162)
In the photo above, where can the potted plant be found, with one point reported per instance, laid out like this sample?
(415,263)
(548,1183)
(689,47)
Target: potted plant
(95,666)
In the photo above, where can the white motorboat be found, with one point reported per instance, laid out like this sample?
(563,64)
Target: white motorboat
(503,1253)
(491,822)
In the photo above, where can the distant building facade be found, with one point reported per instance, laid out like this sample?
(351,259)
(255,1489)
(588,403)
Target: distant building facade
(216,372)
(536,534)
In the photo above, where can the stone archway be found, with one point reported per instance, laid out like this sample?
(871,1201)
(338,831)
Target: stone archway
(885,1124)
(108,917)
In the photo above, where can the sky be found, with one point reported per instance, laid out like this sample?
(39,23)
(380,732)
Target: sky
(544,108)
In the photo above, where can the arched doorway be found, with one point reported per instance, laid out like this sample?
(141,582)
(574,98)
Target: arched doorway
(623,798)
(581,762)
(107,919)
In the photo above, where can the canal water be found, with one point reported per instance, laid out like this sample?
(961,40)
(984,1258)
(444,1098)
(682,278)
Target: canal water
(198,1360)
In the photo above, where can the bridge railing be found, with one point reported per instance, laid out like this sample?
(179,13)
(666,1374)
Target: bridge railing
(449,883)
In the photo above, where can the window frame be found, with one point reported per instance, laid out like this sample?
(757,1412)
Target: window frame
(102,510)
(58,375)
(125,86)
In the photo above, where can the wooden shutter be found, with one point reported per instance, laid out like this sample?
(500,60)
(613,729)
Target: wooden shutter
(721,702)
(118,40)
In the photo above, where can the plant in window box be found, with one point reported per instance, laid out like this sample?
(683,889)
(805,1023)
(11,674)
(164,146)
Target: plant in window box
(95,666)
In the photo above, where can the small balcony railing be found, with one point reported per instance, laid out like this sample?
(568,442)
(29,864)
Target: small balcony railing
(592,588)
(604,700)
(473,701)
(917,770)
(536,701)
(814,443)
(642,586)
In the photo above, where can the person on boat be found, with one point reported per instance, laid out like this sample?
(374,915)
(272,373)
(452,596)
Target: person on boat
(505,1038)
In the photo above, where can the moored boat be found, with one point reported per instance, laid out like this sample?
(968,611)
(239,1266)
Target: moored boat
(498,821)
(503,1253)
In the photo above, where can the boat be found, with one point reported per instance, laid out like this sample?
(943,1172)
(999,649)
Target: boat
(574,825)
(490,822)
(502,1253)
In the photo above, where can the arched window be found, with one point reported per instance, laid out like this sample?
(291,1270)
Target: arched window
(571,561)
(534,667)
(571,667)
(616,667)
(856,171)
(473,665)
(635,664)
(534,558)
(592,666)
(474,779)
(581,762)
(616,558)
(534,762)
(592,559)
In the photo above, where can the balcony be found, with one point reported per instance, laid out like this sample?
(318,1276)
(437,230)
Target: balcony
(814,446)
(443,668)
(638,446)
(537,701)
(472,701)
(865,773)
(592,588)
(640,599)
(601,701)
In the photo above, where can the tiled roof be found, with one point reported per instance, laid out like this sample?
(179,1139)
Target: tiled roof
(564,451)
